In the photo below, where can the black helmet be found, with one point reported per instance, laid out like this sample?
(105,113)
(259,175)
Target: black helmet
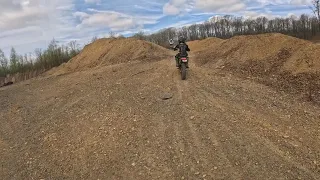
(181,39)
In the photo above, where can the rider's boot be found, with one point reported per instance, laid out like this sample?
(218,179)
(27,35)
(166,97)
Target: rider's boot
(177,63)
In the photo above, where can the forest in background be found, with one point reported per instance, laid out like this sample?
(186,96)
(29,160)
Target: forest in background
(40,60)
(304,27)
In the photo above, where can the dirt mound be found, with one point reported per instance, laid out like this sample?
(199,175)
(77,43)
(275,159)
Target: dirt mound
(315,39)
(274,59)
(109,51)
(200,45)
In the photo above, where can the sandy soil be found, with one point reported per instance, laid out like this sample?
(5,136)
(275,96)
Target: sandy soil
(138,120)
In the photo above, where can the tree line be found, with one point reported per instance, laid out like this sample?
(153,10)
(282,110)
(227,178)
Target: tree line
(304,27)
(41,60)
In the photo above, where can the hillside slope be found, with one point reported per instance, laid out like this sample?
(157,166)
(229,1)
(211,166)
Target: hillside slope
(109,51)
(283,62)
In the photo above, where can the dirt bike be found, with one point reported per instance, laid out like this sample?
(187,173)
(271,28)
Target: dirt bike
(182,61)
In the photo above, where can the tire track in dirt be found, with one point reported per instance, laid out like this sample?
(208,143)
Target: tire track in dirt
(201,151)
(242,113)
(209,140)
(188,148)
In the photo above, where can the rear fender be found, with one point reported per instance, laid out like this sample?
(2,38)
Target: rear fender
(184,59)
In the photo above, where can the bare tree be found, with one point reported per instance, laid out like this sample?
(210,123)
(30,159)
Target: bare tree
(94,39)
(112,34)
(120,36)
(14,59)
(316,8)
(140,35)
(3,64)
(3,60)
(74,48)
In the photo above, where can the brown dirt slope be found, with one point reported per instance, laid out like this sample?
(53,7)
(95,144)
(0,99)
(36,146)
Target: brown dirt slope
(201,45)
(316,39)
(282,61)
(108,51)
(112,123)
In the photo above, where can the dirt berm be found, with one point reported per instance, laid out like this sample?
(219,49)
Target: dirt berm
(109,51)
(138,120)
(281,61)
(204,45)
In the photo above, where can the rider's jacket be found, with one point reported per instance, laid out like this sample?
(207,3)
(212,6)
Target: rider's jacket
(183,48)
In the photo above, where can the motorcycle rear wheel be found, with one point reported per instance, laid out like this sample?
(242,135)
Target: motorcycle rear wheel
(183,71)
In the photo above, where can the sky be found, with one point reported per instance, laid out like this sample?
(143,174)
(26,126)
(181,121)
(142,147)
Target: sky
(30,24)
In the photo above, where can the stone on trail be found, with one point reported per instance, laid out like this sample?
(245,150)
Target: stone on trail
(166,96)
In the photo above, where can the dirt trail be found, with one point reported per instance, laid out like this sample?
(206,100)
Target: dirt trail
(111,123)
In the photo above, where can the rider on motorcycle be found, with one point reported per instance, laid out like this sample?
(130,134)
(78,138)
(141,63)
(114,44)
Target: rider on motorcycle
(183,48)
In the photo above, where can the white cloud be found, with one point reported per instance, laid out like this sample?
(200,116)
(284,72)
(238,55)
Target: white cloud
(170,9)
(25,22)
(292,2)
(300,2)
(254,15)
(220,5)
(26,17)
(174,7)
(19,14)
(113,20)
(109,20)
(92,1)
